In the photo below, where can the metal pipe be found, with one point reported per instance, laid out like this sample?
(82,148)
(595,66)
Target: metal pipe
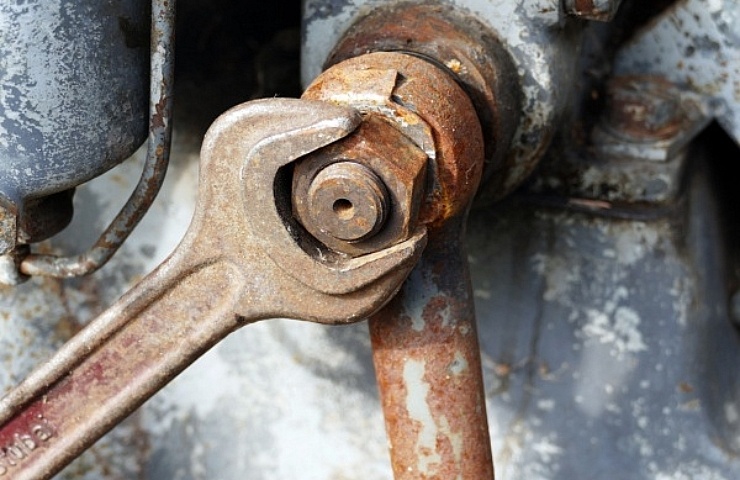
(428,367)
(160,132)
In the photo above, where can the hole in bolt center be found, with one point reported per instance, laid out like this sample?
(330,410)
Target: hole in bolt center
(344,209)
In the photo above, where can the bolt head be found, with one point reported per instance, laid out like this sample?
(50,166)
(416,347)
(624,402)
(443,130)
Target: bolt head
(599,10)
(357,211)
(644,108)
(348,201)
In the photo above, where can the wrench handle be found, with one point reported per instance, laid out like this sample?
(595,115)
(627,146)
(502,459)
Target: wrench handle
(115,364)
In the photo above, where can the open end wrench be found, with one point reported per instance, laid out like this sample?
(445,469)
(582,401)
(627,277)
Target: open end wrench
(242,260)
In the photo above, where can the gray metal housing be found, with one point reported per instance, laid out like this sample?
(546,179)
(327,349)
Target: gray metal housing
(73,91)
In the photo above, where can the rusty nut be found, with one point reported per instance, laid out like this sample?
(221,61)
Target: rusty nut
(428,106)
(363,193)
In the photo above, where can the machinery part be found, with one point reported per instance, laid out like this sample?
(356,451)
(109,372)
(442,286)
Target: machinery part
(348,200)
(61,126)
(480,64)
(695,45)
(44,216)
(513,58)
(643,108)
(648,118)
(216,281)
(426,354)
(73,100)
(158,151)
(392,198)
(428,365)
(428,106)
(607,338)
(637,150)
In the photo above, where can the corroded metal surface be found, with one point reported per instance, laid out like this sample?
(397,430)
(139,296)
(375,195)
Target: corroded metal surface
(427,361)
(73,100)
(160,133)
(539,39)
(398,164)
(694,44)
(348,200)
(138,345)
(600,10)
(425,346)
(429,107)
(648,118)
(464,47)
(644,108)
(606,339)
(637,153)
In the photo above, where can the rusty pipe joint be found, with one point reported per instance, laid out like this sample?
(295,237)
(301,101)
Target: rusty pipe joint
(471,53)
(415,160)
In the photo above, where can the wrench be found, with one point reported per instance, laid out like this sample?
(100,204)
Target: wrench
(243,259)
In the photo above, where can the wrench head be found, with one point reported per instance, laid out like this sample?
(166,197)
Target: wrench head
(244,215)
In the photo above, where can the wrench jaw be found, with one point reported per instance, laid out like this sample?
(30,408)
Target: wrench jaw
(247,156)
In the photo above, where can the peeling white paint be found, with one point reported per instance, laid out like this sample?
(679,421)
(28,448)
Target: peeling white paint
(560,276)
(621,330)
(685,471)
(634,243)
(547,448)
(418,409)
(546,405)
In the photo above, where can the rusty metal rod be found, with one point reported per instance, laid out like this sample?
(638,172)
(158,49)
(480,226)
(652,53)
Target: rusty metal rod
(428,367)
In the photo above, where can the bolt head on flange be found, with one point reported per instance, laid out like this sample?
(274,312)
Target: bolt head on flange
(643,108)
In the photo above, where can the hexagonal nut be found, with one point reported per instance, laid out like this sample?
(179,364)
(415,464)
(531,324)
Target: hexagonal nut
(398,164)
(427,105)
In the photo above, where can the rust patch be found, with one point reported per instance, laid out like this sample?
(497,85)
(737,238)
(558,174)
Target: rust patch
(644,108)
(399,165)
(586,7)
(471,54)
(428,367)
(423,92)
(604,11)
